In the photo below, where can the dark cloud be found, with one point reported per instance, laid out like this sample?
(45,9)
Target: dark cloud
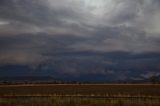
(82,37)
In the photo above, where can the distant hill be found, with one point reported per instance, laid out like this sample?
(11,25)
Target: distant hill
(50,79)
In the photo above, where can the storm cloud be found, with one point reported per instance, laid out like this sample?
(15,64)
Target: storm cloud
(81,37)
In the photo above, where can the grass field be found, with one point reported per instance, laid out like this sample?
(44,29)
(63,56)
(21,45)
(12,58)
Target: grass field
(80,95)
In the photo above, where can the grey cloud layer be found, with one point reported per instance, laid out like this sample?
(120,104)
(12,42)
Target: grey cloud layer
(43,31)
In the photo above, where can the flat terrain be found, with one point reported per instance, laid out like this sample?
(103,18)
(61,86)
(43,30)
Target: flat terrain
(80,95)
(97,90)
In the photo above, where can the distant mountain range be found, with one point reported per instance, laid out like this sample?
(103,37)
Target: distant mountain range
(49,79)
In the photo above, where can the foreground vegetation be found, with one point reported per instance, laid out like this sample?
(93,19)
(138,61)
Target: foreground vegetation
(70,101)
(83,90)
(79,95)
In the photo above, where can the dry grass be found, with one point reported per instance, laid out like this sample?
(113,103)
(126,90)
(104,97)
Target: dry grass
(80,95)
(70,101)
(81,90)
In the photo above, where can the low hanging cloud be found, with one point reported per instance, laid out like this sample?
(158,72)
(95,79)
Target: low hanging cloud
(40,32)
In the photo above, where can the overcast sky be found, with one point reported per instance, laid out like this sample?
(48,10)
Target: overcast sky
(54,33)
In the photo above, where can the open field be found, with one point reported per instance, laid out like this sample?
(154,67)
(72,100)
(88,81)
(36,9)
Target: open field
(72,101)
(81,90)
(80,95)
